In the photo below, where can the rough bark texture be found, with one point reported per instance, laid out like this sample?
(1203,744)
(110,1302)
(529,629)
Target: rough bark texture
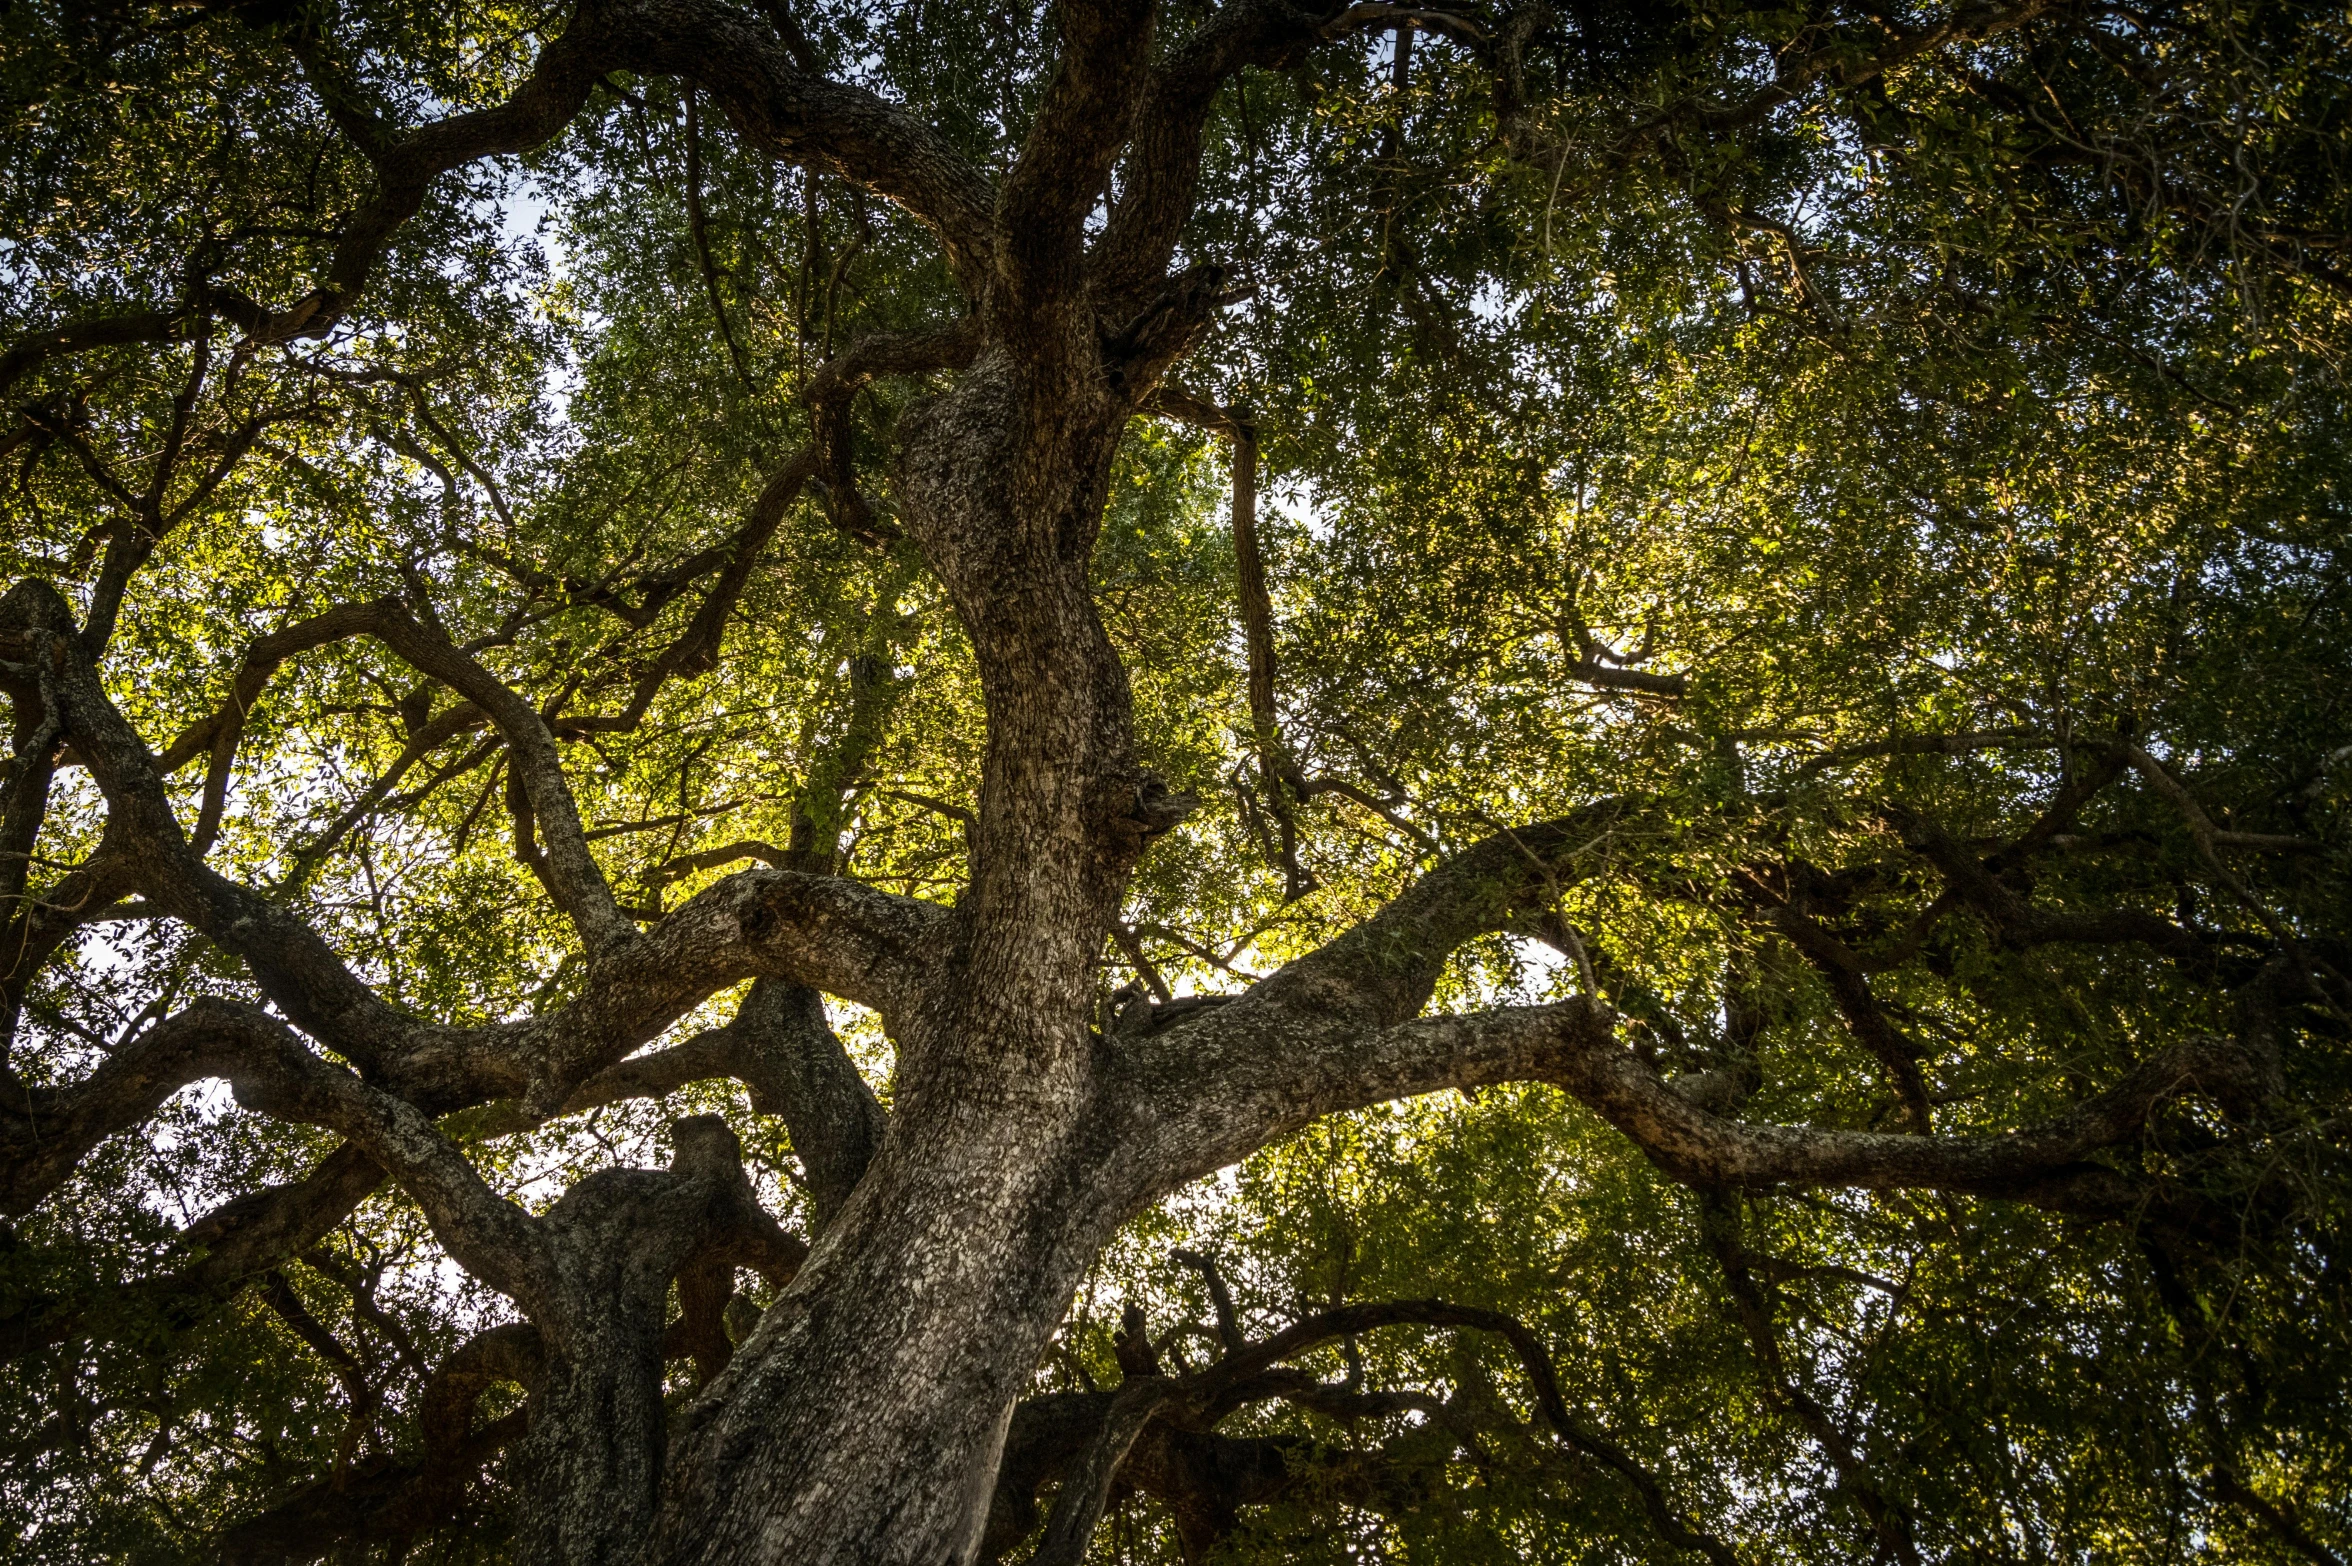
(865,1418)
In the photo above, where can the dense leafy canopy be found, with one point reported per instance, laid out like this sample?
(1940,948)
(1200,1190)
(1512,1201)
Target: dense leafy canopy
(1898,454)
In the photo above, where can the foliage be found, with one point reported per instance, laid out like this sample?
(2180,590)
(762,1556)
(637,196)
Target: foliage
(1946,433)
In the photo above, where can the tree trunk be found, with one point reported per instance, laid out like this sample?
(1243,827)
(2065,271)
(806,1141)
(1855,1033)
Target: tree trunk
(589,1471)
(864,1419)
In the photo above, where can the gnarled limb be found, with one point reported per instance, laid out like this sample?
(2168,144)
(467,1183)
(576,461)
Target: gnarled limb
(1700,1148)
(781,1047)
(302,975)
(866,945)
(1257,1082)
(1335,1029)
(594,1456)
(1086,1485)
(788,1055)
(592,1274)
(208,735)
(837,382)
(57,1127)
(804,118)
(1222,1087)
(1158,1431)
(1329,1032)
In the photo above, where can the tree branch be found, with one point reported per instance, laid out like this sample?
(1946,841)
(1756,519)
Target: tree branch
(1081,123)
(804,118)
(796,1068)
(43,1140)
(831,390)
(572,874)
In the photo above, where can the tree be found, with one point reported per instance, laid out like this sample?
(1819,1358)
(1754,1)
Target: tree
(573,566)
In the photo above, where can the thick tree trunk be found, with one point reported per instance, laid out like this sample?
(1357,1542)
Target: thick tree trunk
(588,1472)
(863,1421)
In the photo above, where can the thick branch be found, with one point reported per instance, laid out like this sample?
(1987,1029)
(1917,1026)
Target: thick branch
(1162,173)
(865,945)
(781,1047)
(1080,126)
(1704,1149)
(805,119)
(1087,1486)
(835,385)
(1253,1075)
(796,1068)
(58,1127)
(1232,1082)
(493,1239)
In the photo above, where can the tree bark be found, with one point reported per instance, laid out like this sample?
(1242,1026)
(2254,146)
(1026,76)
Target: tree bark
(864,1418)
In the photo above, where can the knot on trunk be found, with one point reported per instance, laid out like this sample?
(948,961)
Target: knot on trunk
(1143,810)
(1132,1346)
(705,1146)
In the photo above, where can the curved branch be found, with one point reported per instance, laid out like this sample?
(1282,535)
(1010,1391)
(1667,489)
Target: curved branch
(498,1242)
(1700,1148)
(870,947)
(1220,1088)
(807,119)
(572,875)
(857,942)
(1278,770)
(405,168)
(796,1068)
(98,331)
(1087,1486)
(1163,166)
(831,389)
(781,1047)
(58,1127)
(1228,1382)
(298,970)
(1383,971)
(768,97)
(1256,1080)
(1089,1437)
